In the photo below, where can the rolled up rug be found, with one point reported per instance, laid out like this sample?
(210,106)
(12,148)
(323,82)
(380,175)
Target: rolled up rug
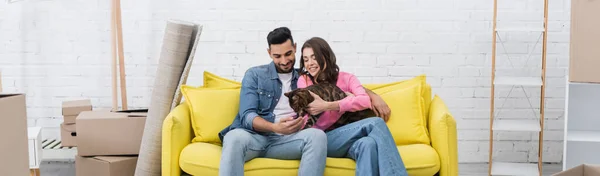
(176,50)
(186,69)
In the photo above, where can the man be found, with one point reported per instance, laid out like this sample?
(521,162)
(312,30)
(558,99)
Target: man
(265,126)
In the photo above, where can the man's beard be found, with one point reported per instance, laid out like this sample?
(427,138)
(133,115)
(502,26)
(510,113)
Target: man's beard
(281,70)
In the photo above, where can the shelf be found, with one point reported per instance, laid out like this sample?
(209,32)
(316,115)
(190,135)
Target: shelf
(516,125)
(32,132)
(523,78)
(519,29)
(576,153)
(581,133)
(518,81)
(583,136)
(506,168)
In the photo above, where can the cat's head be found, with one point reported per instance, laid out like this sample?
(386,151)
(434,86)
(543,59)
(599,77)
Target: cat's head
(299,100)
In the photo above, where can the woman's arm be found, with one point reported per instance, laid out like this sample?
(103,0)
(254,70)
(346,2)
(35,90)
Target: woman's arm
(318,105)
(332,111)
(360,100)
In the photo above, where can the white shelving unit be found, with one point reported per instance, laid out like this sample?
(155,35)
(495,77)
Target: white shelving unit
(583,136)
(34,135)
(35,146)
(517,81)
(521,81)
(506,168)
(517,125)
(520,29)
(582,124)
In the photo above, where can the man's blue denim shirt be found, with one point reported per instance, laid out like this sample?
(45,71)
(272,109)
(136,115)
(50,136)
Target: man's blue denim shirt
(260,92)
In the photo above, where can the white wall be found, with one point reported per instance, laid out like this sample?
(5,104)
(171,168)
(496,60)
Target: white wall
(56,50)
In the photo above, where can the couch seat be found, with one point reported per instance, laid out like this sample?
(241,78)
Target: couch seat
(203,159)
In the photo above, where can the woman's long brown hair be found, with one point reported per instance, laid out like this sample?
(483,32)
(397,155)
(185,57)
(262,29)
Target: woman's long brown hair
(325,58)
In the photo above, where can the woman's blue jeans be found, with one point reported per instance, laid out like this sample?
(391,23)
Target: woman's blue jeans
(370,143)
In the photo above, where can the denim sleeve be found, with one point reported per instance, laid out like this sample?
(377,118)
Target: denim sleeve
(249,99)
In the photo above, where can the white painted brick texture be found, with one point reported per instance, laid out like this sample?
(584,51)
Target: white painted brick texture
(60,50)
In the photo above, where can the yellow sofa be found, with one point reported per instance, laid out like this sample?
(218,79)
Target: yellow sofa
(427,148)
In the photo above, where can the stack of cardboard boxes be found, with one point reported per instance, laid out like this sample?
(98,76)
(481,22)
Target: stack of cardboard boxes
(70,110)
(13,130)
(108,143)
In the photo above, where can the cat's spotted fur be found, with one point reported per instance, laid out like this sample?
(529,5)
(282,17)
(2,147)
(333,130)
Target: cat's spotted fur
(300,98)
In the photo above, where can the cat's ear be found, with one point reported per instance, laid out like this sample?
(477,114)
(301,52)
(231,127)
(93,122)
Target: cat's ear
(287,94)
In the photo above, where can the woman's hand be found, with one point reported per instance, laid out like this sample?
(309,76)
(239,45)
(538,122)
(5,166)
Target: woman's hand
(319,105)
(349,94)
(380,107)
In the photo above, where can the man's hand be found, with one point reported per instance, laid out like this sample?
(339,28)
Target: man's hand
(319,105)
(380,107)
(288,125)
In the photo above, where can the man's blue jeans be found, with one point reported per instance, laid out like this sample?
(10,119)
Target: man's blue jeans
(370,143)
(309,145)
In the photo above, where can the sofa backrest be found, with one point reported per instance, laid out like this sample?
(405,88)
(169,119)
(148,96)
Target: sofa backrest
(408,99)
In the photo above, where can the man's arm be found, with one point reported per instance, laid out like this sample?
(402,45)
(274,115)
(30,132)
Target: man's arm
(249,102)
(370,93)
(378,105)
(249,105)
(262,125)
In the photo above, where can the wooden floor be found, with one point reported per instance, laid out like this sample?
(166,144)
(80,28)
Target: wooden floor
(68,169)
(482,169)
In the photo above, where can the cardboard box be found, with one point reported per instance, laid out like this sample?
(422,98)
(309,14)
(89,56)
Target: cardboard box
(74,107)
(69,119)
(581,170)
(13,129)
(105,165)
(109,133)
(68,135)
(585,39)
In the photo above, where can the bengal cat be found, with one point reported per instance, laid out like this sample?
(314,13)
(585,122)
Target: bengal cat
(300,98)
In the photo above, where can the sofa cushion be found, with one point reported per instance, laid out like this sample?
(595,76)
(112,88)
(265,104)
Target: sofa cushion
(203,159)
(211,110)
(406,123)
(213,81)
(419,159)
(421,79)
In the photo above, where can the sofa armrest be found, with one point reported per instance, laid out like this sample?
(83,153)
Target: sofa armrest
(442,129)
(176,134)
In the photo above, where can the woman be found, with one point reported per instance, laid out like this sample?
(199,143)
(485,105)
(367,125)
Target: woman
(368,141)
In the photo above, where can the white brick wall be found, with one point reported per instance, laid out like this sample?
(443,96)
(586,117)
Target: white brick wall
(59,50)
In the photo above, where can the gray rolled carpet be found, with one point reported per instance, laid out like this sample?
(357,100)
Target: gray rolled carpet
(176,49)
(188,66)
